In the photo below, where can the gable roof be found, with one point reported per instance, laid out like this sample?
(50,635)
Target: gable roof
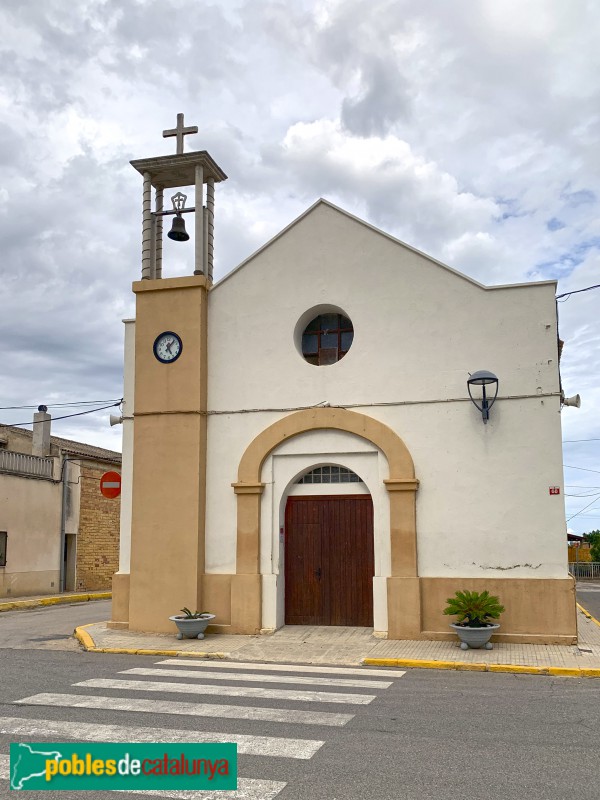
(323,202)
(70,446)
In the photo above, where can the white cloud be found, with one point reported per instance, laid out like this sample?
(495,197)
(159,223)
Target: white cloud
(470,130)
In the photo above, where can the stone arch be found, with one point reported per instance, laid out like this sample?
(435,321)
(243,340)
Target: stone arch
(401,484)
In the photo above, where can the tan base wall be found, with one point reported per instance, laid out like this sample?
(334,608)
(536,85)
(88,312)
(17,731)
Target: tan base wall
(120,601)
(541,611)
(22,584)
(537,611)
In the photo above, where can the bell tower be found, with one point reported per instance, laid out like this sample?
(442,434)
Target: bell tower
(168,372)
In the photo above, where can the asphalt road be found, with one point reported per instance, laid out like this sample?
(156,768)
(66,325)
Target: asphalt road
(439,735)
(49,627)
(588,595)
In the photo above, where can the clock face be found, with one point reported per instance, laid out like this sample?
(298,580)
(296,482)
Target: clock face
(167,347)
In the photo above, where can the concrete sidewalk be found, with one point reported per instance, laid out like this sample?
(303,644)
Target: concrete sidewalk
(353,646)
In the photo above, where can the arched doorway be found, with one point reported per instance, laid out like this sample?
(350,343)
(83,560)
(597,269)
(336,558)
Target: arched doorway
(329,560)
(401,586)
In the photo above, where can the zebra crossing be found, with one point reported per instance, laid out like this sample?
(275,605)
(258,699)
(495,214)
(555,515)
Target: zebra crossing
(338,692)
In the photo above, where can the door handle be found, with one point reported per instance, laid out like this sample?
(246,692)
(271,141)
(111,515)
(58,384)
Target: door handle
(318,573)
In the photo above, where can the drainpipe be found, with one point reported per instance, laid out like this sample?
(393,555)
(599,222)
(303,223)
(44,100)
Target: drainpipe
(63,521)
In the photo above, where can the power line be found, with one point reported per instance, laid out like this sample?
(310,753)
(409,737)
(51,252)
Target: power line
(581,440)
(583,469)
(59,405)
(577,291)
(583,509)
(66,416)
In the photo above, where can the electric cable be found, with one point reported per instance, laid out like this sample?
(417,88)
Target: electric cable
(65,416)
(577,291)
(583,509)
(59,405)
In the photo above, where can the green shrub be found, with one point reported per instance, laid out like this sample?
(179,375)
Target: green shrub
(474,609)
(594,539)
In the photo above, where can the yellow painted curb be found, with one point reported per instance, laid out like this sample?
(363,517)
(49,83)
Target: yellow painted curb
(515,669)
(590,673)
(89,644)
(409,662)
(565,672)
(85,639)
(59,599)
(131,651)
(587,614)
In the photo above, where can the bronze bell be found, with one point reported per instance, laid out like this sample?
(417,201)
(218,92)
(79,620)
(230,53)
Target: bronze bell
(178,232)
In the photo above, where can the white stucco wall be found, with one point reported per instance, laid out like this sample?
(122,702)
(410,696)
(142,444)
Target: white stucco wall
(483,506)
(30,513)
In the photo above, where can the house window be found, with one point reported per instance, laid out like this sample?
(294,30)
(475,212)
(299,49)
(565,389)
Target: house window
(330,474)
(3,541)
(327,339)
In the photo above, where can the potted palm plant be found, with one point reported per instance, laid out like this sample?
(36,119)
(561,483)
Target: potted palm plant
(474,610)
(191,624)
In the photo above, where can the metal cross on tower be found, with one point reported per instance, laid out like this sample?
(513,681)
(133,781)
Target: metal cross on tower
(180,131)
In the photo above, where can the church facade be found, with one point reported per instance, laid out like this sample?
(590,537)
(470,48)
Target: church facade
(300,446)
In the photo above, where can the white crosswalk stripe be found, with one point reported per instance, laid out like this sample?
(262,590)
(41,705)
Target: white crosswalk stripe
(248,788)
(208,680)
(203,675)
(187,709)
(211,664)
(273,746)
(229,691)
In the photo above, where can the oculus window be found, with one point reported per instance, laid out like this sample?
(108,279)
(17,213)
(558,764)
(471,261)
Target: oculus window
(327,339)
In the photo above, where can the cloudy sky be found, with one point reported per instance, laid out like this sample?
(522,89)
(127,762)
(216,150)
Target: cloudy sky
(468,128)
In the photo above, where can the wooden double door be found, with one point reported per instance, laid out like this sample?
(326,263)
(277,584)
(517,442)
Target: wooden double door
(329,560)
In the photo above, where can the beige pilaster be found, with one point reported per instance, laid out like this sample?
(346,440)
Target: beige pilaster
(403,526)
(248,526)
(404,608)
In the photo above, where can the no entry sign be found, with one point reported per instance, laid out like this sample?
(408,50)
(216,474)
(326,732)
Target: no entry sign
(110,484)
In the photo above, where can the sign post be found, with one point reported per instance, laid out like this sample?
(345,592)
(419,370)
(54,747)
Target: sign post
(110,484)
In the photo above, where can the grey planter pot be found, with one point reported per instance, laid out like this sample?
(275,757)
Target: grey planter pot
(192,628)
(475,637)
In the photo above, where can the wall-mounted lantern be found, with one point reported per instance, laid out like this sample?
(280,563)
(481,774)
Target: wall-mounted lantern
(483,378)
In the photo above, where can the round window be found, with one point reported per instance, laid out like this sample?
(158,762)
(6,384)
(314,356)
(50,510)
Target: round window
(327,338)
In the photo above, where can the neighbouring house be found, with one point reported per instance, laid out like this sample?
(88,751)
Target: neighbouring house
(579,550)
(300,444)
(57,531)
